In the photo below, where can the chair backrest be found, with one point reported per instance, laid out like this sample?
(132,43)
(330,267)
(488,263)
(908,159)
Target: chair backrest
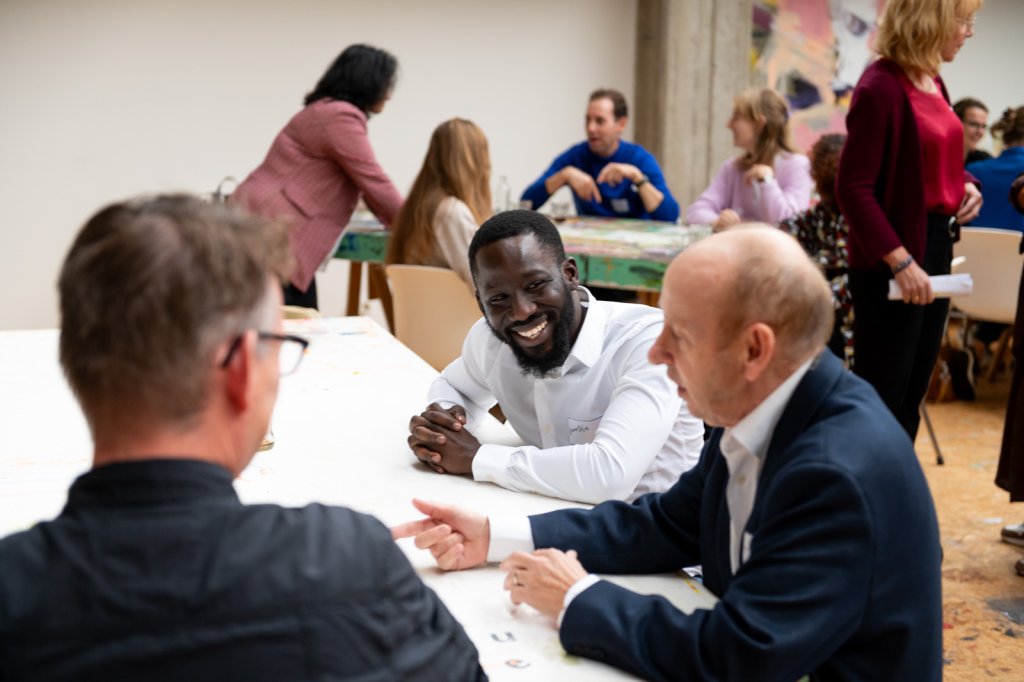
(433,309)
(993,259)
(295,312)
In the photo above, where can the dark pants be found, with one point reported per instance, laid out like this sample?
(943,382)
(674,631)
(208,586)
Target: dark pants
(1010,472)
(295,296)
(896,343)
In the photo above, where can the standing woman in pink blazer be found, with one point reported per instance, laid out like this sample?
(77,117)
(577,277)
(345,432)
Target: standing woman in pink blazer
(321,164)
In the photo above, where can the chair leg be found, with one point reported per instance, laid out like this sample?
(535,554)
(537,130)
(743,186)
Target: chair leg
(1000,355)
(931,434)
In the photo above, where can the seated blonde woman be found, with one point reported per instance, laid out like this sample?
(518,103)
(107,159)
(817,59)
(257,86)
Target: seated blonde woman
(449,199)
(769,182)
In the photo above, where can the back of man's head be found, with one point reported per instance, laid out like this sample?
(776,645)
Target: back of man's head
(148,290)
(767,277)
(509,224)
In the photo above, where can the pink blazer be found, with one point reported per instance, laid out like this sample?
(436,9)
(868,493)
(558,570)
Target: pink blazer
(314,173)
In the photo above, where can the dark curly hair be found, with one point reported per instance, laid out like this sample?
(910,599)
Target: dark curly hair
(1010,128)
(825,166)
(513,224)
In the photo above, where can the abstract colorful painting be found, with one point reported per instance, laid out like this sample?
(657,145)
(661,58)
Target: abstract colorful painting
(813,52)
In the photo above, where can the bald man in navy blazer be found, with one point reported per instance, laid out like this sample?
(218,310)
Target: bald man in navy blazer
(808,510)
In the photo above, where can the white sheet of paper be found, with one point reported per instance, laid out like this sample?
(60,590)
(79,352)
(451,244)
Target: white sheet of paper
(944,286)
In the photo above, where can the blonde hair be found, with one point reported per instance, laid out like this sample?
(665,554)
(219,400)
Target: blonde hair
(457,165)
(768,109)
(912,33)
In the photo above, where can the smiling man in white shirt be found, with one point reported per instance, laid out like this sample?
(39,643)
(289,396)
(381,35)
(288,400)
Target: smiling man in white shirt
(570,373)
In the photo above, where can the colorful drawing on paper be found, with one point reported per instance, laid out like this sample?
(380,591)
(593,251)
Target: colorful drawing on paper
(813,52)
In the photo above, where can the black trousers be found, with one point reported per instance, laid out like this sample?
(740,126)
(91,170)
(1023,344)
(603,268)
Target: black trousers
(896,343)
(295,296)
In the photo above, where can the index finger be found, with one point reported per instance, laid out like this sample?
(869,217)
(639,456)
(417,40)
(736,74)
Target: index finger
(412,528)
(517,560)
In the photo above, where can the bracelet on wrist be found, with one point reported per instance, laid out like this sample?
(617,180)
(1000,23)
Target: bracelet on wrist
(903,265)
(639,183)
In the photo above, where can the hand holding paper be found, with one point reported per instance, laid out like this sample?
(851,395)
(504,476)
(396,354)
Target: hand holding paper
(944,286)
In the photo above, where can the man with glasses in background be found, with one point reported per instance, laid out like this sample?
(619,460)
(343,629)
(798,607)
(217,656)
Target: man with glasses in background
(171,340)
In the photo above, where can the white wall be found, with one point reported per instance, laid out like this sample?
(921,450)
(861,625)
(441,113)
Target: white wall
(988,67)
(104,99)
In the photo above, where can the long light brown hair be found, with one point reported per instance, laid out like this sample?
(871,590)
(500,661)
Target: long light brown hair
(766,108)
(457,165)
(913,32)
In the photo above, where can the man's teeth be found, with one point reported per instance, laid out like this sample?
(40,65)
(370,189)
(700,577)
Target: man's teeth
(533,333)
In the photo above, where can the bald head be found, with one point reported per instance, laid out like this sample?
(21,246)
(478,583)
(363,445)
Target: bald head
(757,273)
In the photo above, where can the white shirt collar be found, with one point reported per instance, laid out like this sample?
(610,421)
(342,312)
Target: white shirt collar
(754,431)
(590,341)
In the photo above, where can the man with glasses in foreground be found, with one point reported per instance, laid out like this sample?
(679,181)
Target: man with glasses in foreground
(171,341)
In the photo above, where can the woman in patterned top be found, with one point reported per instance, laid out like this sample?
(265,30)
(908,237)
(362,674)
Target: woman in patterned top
(822,232)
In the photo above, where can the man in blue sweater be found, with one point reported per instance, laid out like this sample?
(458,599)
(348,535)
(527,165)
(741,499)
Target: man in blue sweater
(608,176)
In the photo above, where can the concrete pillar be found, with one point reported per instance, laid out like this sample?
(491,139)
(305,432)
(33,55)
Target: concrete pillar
(692,57)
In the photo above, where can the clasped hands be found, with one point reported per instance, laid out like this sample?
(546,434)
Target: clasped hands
(585,187)
(439,438)
(459,539)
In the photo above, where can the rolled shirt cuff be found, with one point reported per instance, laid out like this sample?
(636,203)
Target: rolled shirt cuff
(509,534)
(577,588)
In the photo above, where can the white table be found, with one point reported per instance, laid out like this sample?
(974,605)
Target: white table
(340,426)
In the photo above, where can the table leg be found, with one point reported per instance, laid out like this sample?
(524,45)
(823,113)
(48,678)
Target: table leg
(355,285)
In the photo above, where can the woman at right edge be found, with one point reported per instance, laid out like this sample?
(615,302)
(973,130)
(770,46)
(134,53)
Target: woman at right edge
(903,191)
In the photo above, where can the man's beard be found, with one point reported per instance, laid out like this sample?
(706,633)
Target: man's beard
(545,365)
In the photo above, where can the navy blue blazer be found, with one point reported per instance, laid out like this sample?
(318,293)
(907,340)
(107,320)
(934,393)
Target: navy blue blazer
(842,582)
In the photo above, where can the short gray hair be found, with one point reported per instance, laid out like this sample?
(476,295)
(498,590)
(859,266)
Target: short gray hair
(148,290)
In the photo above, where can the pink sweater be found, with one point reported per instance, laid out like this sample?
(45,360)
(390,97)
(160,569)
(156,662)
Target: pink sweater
(784,196)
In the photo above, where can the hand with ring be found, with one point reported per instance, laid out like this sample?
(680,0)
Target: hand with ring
(542,578)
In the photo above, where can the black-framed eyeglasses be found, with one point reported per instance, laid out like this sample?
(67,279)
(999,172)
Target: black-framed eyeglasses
(289,356)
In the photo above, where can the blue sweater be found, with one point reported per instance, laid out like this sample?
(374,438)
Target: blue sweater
(620,201)
(995,176)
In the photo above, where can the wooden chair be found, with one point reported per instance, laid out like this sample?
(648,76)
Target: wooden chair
(296,312)
(433,311)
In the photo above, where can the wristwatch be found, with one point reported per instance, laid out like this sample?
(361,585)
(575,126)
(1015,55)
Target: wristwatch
(639,183)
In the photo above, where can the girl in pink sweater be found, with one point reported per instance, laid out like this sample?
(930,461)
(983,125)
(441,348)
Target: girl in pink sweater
(769,182)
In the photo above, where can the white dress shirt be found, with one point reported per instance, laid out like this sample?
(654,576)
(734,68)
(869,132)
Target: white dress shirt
(744,446)
(748,441)
(610,425)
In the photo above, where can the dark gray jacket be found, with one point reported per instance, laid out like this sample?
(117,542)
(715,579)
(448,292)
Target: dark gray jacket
(155,570)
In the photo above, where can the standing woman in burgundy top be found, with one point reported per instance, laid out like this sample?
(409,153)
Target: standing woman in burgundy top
(903,191)
(321,164)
